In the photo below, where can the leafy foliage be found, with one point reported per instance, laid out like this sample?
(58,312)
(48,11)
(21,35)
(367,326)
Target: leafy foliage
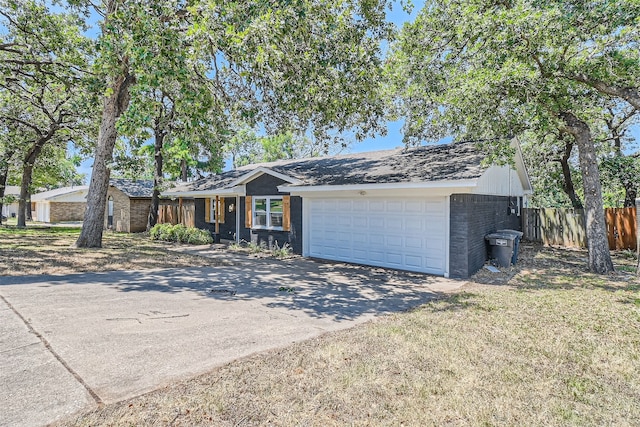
(180,234)
(490,70)
(305,65)
(44,96)
(246,147)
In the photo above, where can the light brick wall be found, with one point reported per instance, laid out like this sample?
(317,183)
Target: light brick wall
(139,214)
(121,211)
(66,211)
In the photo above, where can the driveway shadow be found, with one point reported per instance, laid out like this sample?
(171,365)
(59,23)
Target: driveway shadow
(319,289)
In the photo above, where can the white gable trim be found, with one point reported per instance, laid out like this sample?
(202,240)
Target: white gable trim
(72,196)
(201,194)
(521,168)
(250,176)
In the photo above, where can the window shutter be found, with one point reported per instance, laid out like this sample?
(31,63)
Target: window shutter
(221,210)
(207,210)
(286,216)
(247,218)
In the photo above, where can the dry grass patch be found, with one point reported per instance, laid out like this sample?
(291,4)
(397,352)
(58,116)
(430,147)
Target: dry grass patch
(49,251)
(537,349)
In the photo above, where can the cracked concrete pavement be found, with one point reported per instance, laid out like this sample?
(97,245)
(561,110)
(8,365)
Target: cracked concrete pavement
(70,342)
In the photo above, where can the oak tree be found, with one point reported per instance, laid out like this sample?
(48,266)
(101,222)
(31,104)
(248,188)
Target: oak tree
(306,64)
(486,68)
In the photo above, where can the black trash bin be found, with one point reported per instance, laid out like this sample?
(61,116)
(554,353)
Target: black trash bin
(501,247)
(518,237)
(215,236)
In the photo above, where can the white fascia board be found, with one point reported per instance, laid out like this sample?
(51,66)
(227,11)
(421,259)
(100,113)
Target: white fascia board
(372,187)
(201,194)
(262,170)
(521,167)
(66,195)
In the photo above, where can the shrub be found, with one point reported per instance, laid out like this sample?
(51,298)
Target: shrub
(180,234)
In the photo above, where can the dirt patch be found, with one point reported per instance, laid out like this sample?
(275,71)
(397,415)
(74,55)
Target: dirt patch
(557,266)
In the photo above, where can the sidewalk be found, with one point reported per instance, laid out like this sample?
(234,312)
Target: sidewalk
(35,385)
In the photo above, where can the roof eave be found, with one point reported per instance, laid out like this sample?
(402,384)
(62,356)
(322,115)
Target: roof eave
(382,186)
(263,170)
(198,194)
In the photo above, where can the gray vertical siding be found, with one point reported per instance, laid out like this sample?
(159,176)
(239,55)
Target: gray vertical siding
(472,217)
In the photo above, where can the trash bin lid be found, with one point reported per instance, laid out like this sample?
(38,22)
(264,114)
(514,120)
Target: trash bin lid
(516,233)
(506,236)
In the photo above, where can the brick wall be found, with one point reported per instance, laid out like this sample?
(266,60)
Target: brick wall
(471,218)
(139,214)
(121,216)
(66,211)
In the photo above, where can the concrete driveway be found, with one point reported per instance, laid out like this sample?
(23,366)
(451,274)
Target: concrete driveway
(71,342)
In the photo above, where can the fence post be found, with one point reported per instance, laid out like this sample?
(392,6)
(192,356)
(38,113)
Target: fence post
(638,235)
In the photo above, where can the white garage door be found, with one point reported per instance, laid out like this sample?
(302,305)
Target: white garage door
(408,234)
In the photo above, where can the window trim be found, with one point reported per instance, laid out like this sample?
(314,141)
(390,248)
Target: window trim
(212,210)
(268,200)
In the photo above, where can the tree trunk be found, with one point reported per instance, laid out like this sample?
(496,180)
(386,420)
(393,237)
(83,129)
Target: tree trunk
(567,185)
(27,174)
(3,187)
(597,242)
(184,170)
(27,171)
(4,174)
(630,195)
(114,105)
(625,175)
(157,180)
(29,212)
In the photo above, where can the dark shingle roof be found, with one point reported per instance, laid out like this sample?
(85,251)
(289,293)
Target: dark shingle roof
(457,161)
(133,187)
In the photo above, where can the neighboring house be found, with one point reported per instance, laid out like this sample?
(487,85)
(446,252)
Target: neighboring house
(424,209)
(10,210)
(60,205)
(128,204)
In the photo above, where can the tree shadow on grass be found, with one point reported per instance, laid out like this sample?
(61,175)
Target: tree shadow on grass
(541,267)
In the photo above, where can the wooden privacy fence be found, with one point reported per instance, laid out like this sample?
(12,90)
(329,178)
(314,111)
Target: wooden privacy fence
(566,227)
(621,227)
(177,214)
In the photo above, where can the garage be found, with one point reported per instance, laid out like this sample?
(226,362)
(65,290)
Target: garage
(408,234)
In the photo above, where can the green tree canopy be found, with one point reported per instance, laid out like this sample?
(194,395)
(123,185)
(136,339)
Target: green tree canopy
(486,69)
(306,64)
(43,83)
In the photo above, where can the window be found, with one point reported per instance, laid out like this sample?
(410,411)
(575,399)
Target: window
(212,211)
(268,212)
